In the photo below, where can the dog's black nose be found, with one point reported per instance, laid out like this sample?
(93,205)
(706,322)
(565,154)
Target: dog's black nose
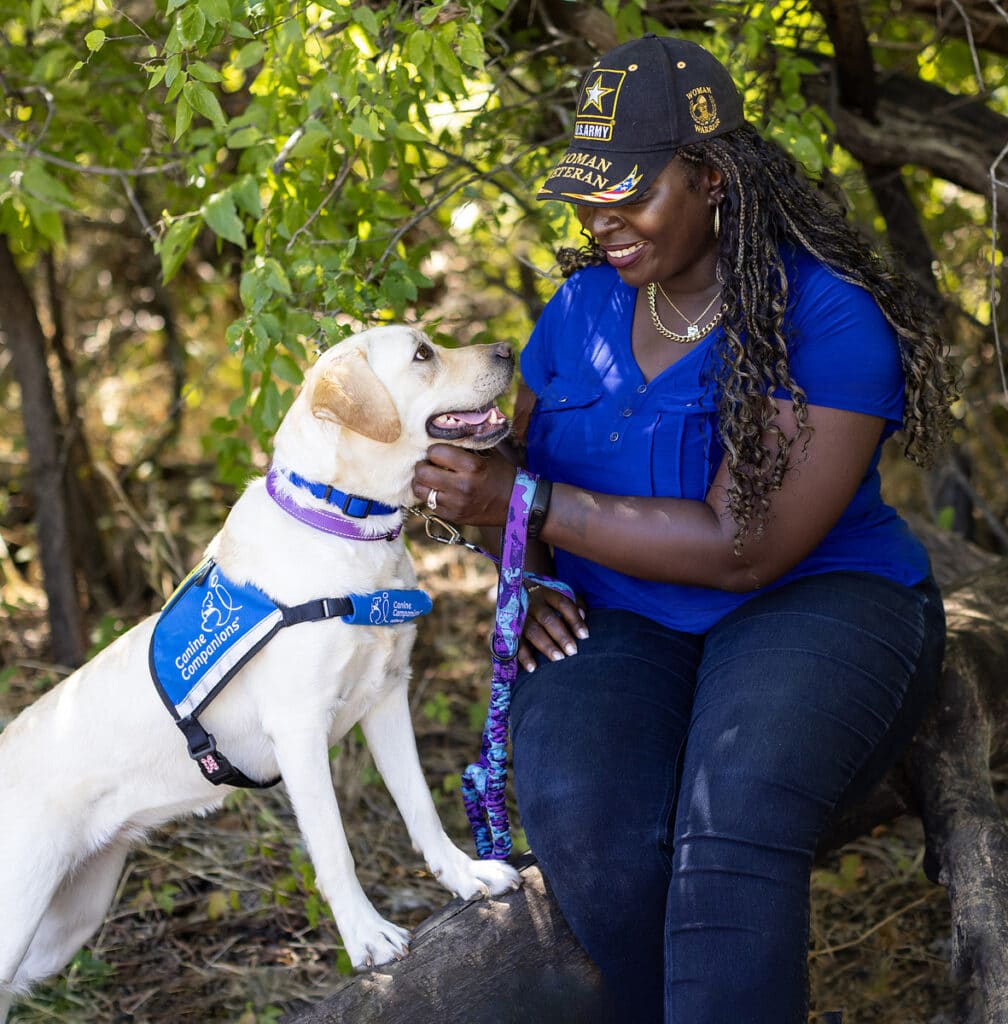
(502,350)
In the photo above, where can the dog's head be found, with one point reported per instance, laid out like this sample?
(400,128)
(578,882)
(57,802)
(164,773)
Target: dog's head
(372,405)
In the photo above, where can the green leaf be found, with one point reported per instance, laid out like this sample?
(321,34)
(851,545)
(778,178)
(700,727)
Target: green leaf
(183,117)
(471,48)
(204,72)
(191,25)
(249,55)
(95,40)
(175,245)
(363,127)
(45,220)
(365,17)
(217,11)
(246,194)
(222,218)
(204,102)
(418,47)
(286,369)
(43,185)
(244,137)
(405,131)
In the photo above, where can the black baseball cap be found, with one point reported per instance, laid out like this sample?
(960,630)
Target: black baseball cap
(638,104)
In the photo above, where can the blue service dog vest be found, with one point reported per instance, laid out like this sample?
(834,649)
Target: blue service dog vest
(211,626)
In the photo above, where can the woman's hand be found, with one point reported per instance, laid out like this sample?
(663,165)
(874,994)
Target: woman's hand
(473,488)
(552,627)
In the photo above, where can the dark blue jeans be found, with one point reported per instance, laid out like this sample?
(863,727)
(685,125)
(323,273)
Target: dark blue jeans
(674,787)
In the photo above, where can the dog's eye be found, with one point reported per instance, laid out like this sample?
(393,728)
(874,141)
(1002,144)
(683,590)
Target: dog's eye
(423,352)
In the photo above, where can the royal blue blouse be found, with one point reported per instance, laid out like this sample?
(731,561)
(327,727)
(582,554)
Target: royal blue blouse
(597,424)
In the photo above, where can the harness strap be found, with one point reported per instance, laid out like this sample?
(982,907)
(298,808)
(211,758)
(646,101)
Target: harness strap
(381,608)
(216,768)
(314,611)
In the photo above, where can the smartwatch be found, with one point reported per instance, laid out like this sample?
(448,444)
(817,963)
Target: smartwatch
(539,507)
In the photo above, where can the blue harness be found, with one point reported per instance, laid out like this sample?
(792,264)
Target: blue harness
(211,626)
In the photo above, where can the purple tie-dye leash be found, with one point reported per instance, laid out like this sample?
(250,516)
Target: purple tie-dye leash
(484,783)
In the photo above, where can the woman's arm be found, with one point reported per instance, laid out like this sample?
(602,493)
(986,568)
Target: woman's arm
(679,540)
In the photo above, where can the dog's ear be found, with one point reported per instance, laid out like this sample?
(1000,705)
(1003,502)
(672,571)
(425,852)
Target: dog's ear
(349,393)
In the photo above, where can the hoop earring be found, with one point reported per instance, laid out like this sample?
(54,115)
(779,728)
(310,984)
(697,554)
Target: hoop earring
(717,220)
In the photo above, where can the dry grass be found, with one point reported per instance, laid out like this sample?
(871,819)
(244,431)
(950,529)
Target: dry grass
(219,920)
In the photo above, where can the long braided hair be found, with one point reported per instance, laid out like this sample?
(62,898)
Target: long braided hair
(768,203)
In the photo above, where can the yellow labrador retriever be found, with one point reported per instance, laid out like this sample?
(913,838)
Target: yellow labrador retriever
(98,761)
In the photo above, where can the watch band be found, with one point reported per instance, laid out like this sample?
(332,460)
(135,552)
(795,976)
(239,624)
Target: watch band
(540,506)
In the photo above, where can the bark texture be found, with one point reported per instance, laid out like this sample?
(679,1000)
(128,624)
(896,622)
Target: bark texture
(43,437)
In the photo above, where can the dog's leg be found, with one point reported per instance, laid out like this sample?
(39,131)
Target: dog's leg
(77,909)
(389,733)
(368,938)
(29,879)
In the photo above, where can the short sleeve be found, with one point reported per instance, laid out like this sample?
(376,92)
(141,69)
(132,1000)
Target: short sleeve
(534,356)
(842,351)
(537,358)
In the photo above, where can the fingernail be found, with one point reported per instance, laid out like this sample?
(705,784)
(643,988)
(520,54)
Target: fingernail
(584,614)
(529,666)
(582,633)
(570,648)
(557,656)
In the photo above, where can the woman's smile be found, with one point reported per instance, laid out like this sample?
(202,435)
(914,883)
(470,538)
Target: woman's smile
(624,255)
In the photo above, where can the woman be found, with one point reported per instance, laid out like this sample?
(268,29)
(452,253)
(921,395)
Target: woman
(759,633)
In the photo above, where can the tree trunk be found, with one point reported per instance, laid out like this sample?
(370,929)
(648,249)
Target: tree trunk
(26,342)
(514,959)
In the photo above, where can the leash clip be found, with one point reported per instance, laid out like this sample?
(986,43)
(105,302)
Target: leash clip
(438,529)
(450,533)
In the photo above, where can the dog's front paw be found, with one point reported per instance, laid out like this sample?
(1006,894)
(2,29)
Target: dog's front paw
(375,941)
(467,877)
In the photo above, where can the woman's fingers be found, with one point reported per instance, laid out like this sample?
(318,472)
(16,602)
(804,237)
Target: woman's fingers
(553,626)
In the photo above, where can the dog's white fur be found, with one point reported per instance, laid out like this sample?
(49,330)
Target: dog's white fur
(98,761)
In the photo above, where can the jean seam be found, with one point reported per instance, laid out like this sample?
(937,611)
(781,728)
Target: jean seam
(666,845)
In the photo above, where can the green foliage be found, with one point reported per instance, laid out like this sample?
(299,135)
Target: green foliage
(438,709)
(845,879)
(330,165)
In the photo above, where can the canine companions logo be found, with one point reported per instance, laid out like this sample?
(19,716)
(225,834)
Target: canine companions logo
(219,623)
(218,605)
(391,607)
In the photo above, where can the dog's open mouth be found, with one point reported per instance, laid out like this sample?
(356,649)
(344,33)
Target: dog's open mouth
(486,425)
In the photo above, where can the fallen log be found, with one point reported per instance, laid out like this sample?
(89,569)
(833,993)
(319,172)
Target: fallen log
(514,959)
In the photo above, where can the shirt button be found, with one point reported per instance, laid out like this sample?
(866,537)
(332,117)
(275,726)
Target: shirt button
(628,412)
(614,436)
(563,398)
(641,388)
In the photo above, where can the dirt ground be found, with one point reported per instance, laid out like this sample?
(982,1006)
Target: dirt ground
(218,919)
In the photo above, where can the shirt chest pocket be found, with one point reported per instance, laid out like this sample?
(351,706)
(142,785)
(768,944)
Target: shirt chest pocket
(563,431)
(685,451)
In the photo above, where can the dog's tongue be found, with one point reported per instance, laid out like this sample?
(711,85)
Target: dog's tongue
(448,418)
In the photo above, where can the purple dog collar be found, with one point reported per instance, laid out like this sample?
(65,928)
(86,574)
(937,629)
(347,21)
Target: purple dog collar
(320,519)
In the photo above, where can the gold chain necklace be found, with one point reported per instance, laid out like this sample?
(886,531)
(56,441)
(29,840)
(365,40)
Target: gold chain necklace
(694,332)
(692,329)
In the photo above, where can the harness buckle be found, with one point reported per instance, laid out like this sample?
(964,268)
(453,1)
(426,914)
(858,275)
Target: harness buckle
(199,741)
